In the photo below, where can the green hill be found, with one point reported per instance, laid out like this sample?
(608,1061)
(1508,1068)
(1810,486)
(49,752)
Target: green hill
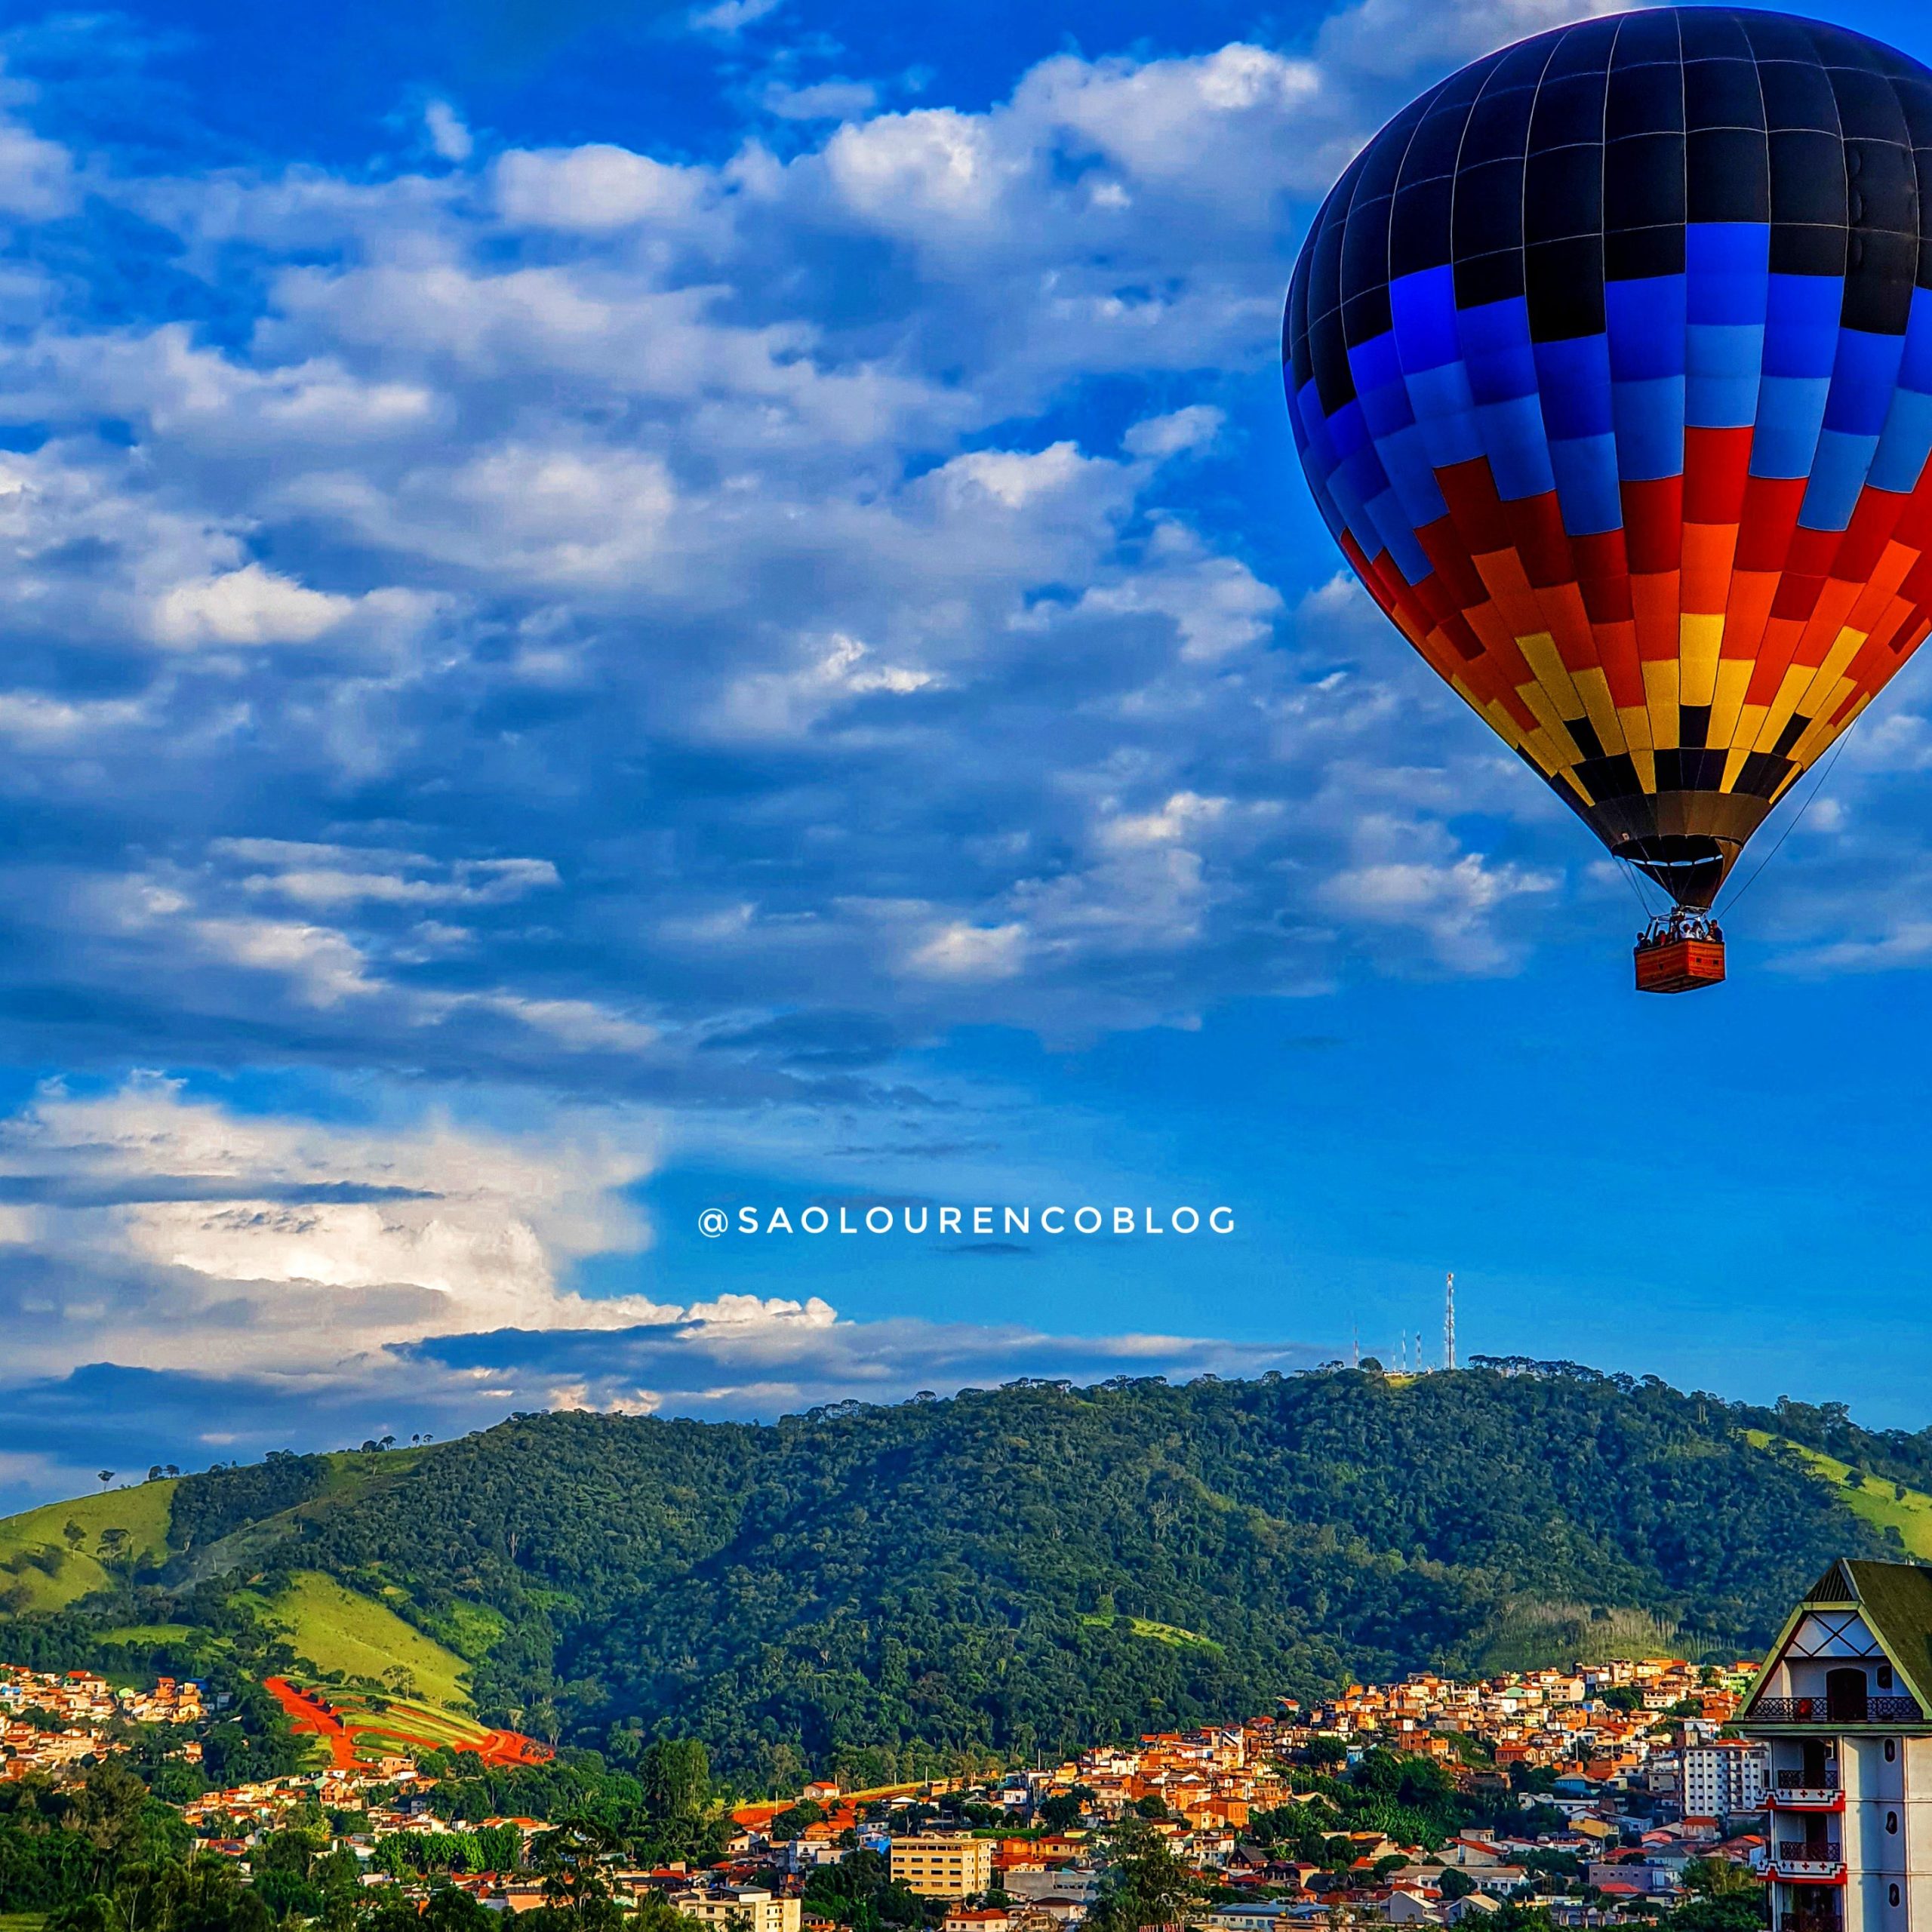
(54,1556)
(1017,1570)
(1882,1502)
(343,1633)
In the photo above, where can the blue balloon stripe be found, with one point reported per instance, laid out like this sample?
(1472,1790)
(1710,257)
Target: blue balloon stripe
(1405,458)
(1423,308)
(1645,323)
(1518,450)
(1801,325)
(1496,350)
(1586,485)
(1906,445)
(1839,470)
(1446,415)
(1726,273)
(1722,361)
(1863,376)
(1791,412)
(1650,428)
(1572,377)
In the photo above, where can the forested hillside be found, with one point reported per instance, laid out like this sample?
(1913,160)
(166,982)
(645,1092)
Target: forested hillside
(1016,1569)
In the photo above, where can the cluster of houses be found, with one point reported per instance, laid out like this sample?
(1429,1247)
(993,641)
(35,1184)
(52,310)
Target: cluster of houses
(1599,1719)
(49,1722)
(1632,1782)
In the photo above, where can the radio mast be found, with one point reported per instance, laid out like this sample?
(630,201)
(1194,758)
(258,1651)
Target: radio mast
(1449,1324)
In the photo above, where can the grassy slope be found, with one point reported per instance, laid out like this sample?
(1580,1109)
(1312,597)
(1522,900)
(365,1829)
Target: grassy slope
(338,1629)
(1876,1501)
(1532,1634)
(141,1510)
(1171,1634)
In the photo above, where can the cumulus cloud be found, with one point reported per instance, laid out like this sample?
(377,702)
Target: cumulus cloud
(251,605)
(659,630)
(188,1236)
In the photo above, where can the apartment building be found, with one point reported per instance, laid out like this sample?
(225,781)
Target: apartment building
(740,1906)
(1722,1778)
(933,1867)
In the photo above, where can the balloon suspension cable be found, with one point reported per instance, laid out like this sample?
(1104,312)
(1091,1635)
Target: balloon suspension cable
(1798,818)
(1632,877)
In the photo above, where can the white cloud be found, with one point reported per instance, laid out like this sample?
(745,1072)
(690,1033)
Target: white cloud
(331,877)
(960,951)
(1403,879)
(1391,38)
(902,170)
(230,1214)
(776,704)
(1217,604)
(252,605)
(594,188)
(451,140)
(37,177)
(731,17)
(822,100)
(1179,432)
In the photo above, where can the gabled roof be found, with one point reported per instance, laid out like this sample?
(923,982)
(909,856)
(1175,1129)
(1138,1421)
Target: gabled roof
(1894,1599)
(1834,1587)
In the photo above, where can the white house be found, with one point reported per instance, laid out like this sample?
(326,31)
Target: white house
(1844,1703)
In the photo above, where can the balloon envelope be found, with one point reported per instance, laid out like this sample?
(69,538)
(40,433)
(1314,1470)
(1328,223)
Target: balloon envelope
(1610,363)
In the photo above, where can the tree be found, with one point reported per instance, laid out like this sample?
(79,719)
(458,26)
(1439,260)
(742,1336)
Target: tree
(568,1859)
(656,1913)
(107,1477)
(450,1909)
(675,1773)
(791,1822)
(1455,1883)
(1718,1879)
(1732,1912)
(1145,1884)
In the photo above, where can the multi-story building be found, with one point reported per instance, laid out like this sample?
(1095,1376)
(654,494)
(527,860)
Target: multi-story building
(935,1867)
(1722,1778)
(1844,1705)
(740,1906)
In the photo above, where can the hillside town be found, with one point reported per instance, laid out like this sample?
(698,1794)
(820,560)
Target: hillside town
(1611,1786)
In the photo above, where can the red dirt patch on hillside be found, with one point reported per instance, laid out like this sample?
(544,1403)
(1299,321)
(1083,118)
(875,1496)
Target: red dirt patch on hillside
(311,1713)
(308,1715)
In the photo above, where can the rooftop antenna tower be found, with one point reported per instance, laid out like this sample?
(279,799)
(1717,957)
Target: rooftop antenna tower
(1449,1324)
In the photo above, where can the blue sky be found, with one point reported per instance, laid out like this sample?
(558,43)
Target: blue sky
(617,612)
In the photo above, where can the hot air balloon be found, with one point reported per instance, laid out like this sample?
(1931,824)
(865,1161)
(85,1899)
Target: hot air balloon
(1609,360)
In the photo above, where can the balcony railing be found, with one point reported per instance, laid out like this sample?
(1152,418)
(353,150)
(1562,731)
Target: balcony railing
(1835,1710)
(1810,1851)
(1825,1779)
(1810,1921)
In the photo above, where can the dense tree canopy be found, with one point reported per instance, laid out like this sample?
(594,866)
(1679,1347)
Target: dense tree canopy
(886,1590)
